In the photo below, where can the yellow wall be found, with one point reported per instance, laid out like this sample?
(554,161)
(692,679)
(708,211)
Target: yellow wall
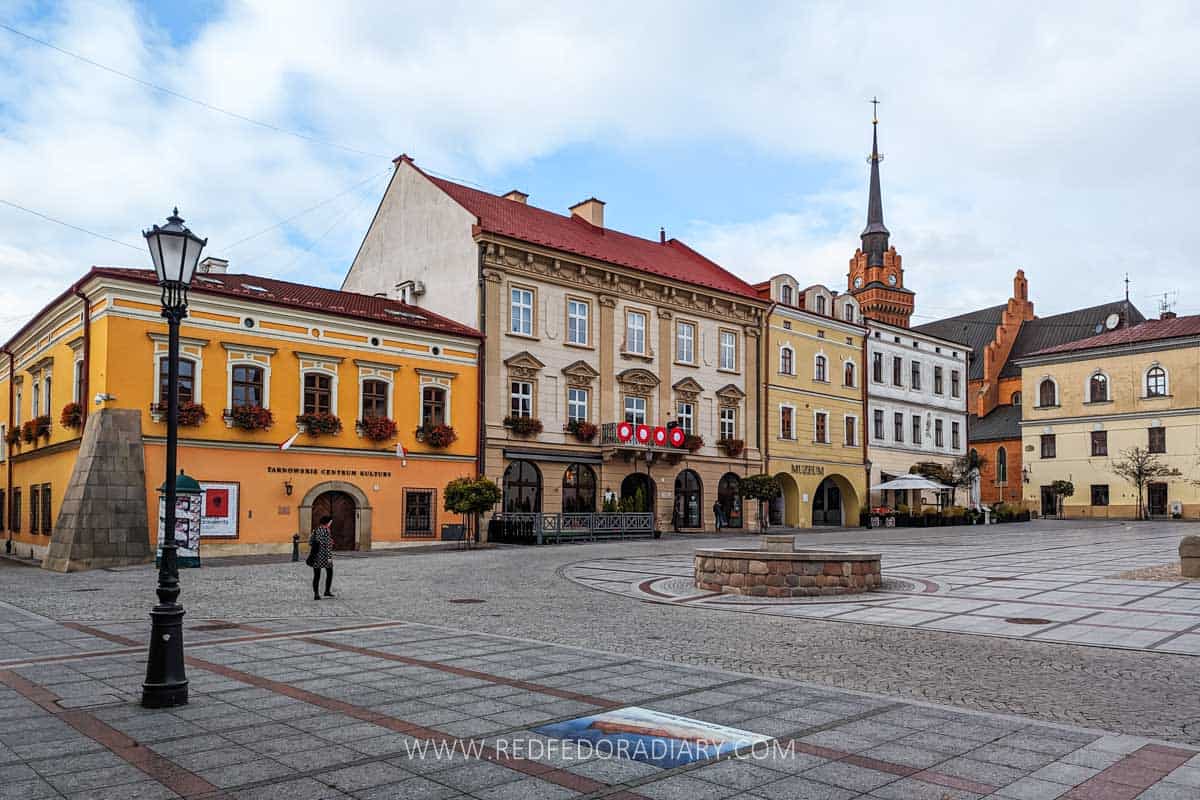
(1126,419)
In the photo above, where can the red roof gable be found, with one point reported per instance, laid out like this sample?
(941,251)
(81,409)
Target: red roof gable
(671,259)
(306,298)
(1149,331)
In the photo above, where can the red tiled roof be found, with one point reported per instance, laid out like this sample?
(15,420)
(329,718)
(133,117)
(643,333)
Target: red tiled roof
(1149,331)
(306,298)
(672,259)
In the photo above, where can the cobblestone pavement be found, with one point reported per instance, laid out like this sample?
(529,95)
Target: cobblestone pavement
(1063,593)
(1131,692)
(377,710)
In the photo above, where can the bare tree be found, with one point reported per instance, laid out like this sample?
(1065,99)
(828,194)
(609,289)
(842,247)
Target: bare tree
(1139,467)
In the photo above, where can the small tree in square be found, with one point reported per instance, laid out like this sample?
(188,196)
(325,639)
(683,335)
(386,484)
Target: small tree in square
(763,488)
(471,497)
(1140,467)
(1061,490)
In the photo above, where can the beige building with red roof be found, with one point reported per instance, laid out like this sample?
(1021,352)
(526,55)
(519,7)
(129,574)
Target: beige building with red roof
(1090,402)
(585,328)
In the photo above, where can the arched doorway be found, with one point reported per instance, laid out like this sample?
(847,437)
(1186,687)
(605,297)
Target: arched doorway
(827,503)
(785,509)
(522,488)
(340,506)
(637,493)
(729,500)
(689,497)
(579,490)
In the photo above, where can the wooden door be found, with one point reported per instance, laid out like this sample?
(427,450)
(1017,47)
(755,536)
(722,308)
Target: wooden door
(1157,495)
(340,506)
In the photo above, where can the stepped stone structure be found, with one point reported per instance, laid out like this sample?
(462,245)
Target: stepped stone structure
(103,521)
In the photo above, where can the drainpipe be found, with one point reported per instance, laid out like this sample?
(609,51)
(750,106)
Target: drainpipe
(481,379)
(6,511)
(84,381)
(863,426)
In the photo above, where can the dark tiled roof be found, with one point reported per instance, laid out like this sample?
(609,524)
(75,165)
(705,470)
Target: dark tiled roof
(1149,331)
(1060,329)
(975,329)
(306,298)
(1003,423)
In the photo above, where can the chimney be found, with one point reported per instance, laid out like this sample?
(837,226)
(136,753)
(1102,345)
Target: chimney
(590,211)
(662,235)
(1167,315)
(517,196)
(213,266)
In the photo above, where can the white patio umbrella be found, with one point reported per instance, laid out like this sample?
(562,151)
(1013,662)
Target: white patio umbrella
(910,482)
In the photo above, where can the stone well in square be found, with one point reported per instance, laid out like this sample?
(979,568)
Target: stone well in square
(778,569)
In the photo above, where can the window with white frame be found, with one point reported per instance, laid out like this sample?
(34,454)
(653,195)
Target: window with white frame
(77,393)
(685,342)
(820,304)
(915,377)
(938,388)
(877,418)
(877,367)
(785,295)
(787,429)
(916,428)
(848,376)
(728,422)
(955,436)
(821,369)
(318,393)
(848,312)
(635,410)
(433,406)
(685,416)
(521,312)
(577,404)
(938,437)
(17,407)
(897,427)
(35,405)
(728,351)
(1156,382)
(635,332)
(578,315)
(851,437)
(787,361)
(821,427)
(521,399)
(374,394)
(46,402)
(955,384)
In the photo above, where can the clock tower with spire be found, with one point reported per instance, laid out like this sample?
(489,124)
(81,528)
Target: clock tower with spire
(876,278)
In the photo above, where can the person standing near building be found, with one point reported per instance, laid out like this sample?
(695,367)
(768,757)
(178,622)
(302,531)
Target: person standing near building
(718,515)
(320,556)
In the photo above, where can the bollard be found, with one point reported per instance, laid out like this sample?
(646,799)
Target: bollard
(295,547)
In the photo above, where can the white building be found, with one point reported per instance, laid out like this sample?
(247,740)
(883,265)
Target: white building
(916,404)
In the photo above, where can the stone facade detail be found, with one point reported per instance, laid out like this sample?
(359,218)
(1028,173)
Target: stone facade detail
(103,520)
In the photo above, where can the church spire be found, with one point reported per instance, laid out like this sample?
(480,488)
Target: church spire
(875,235)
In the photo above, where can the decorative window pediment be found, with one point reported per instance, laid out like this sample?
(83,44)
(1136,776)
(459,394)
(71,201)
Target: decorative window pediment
(730,394)
(638,381)
(580,373)
(523,365)
(688,389)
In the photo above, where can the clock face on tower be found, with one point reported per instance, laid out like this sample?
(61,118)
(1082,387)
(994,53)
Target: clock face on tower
(858,282)
(892,279)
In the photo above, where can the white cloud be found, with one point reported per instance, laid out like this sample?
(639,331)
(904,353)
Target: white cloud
(1054,137)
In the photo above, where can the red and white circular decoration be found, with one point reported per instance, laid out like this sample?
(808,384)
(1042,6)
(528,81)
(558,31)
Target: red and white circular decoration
(643,434)
(677,437)
(624,431)
(660,436)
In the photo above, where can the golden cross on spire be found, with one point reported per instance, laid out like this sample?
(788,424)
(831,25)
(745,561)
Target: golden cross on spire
(874,110)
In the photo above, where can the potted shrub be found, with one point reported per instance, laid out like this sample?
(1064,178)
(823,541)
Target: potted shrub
(71,416)
(192,414)
(523,426)
(582,430)
(440,435)
(692,443)
(249,418)
(903,514)
(320,423)
(732,447)
(929,516)
(376,429)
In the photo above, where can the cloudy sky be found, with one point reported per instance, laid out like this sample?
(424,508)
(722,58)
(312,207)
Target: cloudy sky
(1056,137)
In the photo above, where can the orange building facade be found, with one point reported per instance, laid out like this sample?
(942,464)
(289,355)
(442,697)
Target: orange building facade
(376,402)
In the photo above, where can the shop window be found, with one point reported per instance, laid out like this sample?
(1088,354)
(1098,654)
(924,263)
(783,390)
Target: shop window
(418,512)
(579,490)
(522,488)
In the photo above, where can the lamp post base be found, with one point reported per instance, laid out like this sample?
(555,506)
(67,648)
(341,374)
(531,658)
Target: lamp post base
(166,683)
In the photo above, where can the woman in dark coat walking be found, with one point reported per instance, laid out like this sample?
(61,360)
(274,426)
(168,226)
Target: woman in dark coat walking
(321,556)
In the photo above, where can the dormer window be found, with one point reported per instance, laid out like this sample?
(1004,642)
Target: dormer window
(785,295)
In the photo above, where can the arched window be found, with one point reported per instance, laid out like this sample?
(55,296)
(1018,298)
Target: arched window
(186,385)
(1015,399)
(820,369)
(1098,388)
(375,398)
(433,406)
(318,393)
(522,488)
(785,295)
(247,389)
(579,490)
(1002,465)
(1156,382)
(787,365)
(849,374)
(1047,393)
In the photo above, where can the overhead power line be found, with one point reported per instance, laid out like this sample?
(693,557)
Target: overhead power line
(181,96)
(57,221)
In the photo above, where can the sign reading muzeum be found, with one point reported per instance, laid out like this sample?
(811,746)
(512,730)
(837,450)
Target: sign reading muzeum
(586,328)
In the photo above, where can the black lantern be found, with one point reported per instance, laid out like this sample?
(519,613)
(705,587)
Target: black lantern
(175,251)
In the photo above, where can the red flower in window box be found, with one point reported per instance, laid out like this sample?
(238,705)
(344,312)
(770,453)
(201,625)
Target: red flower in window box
(582,430)
(523,426)
(192,414)
(377,429)
(320,423)
(693,442)
(732,447)
(439,435)
(36,428)
(72,416)
(251,418)
(13,437)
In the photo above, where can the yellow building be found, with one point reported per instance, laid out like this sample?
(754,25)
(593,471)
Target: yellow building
(1090,401)
(813,438)
(256,355)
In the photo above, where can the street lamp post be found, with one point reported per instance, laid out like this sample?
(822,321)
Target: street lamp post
(175,251)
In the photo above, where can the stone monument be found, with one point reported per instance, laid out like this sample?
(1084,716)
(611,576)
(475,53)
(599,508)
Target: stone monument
(103,520)
(1189,556)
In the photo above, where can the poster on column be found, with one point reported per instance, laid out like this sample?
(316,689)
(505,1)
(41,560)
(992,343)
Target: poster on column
(187,529)
(219,519)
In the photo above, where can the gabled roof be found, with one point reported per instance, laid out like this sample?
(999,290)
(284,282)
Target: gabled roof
(1061,329)
(273,291)
(568,233)
(1150,330)
(975,329)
